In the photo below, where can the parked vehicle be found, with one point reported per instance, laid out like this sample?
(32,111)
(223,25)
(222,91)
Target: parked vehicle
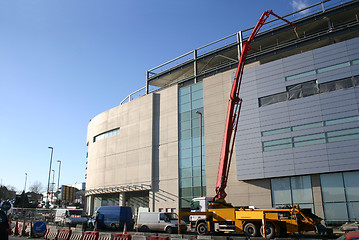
(349,236)
(69,217)
(159,221)
(113,217)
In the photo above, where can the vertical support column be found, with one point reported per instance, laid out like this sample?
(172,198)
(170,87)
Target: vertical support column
(121,199)
(317,196)
(195,65)
(147,77)
(239,44)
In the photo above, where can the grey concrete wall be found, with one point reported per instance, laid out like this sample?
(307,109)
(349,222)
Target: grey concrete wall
(124,159)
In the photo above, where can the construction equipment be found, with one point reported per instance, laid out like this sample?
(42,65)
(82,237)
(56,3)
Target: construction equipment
(211,215)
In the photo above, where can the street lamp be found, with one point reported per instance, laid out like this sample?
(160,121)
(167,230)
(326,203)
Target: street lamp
(25,182)
(198,112)
(48,182)
(53,184)
(58,178)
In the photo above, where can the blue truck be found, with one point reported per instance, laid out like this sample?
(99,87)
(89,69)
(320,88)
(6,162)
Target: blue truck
(113,217)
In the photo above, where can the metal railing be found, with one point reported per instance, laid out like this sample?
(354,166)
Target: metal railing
(231,40)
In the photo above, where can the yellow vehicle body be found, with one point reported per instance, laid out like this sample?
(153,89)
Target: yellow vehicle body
(249,221)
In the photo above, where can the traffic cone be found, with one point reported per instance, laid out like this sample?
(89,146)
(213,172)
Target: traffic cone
(31,230)
(124,229)
(95,227)
(23,231)
(16,232)
(10,228)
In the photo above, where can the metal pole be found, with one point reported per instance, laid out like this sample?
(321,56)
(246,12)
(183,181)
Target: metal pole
(25,182)
(58,178)
(53,185)
(48,181)
(201,150)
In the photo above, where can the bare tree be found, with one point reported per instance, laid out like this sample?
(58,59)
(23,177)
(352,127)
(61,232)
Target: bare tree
(36,187)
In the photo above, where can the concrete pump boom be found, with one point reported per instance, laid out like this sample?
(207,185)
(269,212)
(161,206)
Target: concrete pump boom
(234,107)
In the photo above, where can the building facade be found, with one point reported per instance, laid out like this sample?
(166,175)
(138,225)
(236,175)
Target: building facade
(298,134)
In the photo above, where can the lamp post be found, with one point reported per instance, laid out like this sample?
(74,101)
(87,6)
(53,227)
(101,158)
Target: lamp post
(25,182)
(53,185)
(198,112)
(48,182)
(58,178)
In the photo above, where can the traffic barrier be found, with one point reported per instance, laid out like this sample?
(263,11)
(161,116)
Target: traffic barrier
(121,236)
(23,229)
(51,235)
(91,235)
(46,233)
(64,234)
(76,235)
(16,231)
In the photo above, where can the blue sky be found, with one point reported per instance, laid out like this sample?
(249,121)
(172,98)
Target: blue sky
(64,62)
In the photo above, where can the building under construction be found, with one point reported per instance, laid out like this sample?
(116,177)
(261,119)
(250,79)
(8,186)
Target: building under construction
(297,138)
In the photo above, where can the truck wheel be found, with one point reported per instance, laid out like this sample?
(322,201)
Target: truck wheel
(113,226)
(251,230)
(202,228)
(144,229)
(169,230)
(269,230)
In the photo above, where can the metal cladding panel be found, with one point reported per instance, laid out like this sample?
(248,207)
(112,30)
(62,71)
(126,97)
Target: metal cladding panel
(253,162)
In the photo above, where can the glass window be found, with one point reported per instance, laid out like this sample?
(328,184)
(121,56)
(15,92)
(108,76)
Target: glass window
(343,132)
(301,189)
(281,194)
(353,208)
(185,162)
(106,134)
(307,126)
(336,85)
(308,137)
(309,142)
(341,120)
(197,103)
(191,101)
(277,147)
(197,95)
(332,187)
(185,143)
(275,98)
(300,75)
(186,116)
(185,172)
(184,91)
(196,87)
(184,107)
(340,195)
(186,134)
(355,81)
(335,211)
(333,67)
(351,180)
(277,142)
(343,138)
(185,125)
(276,131)
(302,90)
(186,182)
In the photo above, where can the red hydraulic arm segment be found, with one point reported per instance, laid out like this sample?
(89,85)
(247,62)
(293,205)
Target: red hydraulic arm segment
(234,107)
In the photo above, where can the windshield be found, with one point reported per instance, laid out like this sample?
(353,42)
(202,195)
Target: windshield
(75,213)
(195,205)
(172,216)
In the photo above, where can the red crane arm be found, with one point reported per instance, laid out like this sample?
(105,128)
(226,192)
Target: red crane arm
(234,107)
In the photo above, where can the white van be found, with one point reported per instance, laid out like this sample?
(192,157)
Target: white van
(159,221)
(69,217)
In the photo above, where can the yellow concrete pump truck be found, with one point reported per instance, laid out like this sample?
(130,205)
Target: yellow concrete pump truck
(214,214)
